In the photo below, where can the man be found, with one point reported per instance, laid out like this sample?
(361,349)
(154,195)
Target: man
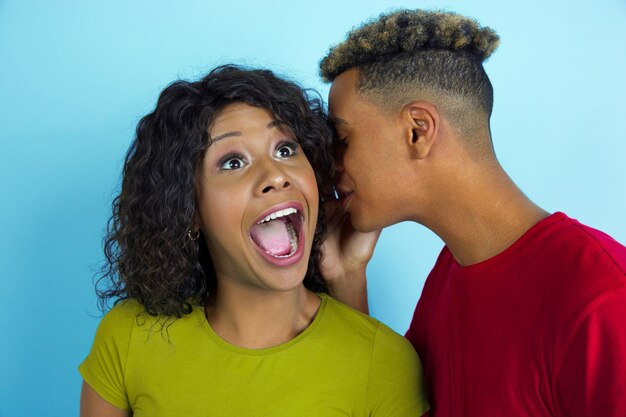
(524,313)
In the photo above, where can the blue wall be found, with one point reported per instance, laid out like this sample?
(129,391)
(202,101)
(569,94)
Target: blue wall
(76,76)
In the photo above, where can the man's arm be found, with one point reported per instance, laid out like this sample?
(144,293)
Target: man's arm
(593,377)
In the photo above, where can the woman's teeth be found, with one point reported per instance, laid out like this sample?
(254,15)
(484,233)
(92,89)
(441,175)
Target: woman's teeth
(279,213)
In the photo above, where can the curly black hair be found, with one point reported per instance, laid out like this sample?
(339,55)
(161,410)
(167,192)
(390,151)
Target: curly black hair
(149,256)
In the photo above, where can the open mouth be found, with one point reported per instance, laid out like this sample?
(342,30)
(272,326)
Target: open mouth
(278,234)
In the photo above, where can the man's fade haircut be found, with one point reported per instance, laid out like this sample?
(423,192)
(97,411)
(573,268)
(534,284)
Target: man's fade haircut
(410,55)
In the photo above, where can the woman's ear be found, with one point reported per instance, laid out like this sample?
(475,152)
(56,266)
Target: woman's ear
(196,224)
(422,123)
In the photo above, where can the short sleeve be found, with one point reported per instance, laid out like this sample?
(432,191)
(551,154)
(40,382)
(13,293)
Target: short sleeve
(395,386)
(103,369)
(593,379)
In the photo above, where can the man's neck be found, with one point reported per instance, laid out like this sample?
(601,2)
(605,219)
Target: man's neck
(482,214)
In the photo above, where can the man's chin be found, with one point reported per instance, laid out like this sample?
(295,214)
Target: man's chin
(369,222)
(363,224)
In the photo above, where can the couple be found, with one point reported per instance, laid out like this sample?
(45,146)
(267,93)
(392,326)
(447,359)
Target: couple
(222,253)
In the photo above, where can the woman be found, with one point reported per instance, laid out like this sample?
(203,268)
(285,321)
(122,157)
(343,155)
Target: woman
(212,252)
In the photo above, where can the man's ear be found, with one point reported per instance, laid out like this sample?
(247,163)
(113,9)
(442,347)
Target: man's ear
(421,121)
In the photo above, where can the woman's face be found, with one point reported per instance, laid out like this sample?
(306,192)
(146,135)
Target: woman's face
(257,201)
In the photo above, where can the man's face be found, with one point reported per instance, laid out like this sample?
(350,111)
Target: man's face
(371,155)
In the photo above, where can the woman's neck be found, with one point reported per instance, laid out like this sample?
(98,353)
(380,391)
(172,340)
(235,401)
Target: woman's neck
(255,318)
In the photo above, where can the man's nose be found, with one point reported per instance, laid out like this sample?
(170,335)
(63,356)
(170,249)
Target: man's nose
(339,167)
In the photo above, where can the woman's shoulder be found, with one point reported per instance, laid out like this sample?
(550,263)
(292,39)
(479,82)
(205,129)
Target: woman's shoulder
(124,312)
(358,331)
(120,319)
(360,322)
(128,327)
(345,312)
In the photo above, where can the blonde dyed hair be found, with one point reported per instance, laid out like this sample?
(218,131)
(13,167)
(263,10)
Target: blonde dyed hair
(409,55)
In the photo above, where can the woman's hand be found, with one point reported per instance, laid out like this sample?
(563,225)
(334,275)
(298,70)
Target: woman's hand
(345,254)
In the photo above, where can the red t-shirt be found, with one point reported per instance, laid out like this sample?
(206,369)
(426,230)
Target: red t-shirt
(538,330)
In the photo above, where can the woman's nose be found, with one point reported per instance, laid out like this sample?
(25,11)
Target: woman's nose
(274,179)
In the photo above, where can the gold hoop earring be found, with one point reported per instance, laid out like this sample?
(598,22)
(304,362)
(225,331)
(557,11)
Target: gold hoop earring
(193,235)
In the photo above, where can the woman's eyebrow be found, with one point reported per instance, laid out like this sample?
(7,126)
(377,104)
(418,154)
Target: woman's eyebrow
(270,125)
(224,136)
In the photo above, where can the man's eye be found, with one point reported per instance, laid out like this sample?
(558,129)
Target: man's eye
(340,144)
(285,150)
(231,163)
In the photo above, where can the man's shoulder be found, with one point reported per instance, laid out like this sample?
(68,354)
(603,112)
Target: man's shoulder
(586,249)
(575,268)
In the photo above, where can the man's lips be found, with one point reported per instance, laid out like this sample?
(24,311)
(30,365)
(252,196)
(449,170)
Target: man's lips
(344,197)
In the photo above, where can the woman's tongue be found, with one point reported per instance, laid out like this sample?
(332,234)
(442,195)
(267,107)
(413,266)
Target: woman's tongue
(272,237)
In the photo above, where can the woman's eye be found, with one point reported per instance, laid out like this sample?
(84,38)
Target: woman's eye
(286,150)
(231,163)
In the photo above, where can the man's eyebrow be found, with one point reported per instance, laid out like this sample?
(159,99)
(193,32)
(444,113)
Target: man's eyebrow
(337,121)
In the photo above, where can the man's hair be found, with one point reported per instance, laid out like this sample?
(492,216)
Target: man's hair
(411,55)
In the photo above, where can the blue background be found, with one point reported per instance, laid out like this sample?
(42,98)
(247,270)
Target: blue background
(75,77)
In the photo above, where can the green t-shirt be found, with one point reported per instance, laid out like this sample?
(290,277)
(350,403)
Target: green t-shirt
(344,364)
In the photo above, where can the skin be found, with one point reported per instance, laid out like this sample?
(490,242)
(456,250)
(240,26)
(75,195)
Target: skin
(413,164)
(93,405)
(250,168)
(257,304)
(345,254)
